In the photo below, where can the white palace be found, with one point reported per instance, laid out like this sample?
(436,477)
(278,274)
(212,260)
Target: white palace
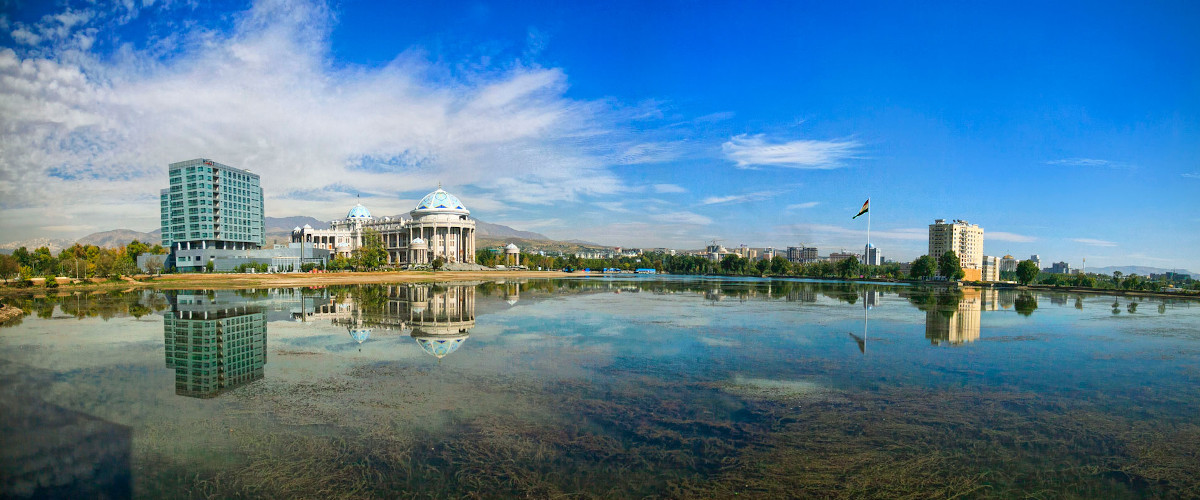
(440,226)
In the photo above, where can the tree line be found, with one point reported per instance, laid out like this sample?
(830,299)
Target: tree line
(78,261)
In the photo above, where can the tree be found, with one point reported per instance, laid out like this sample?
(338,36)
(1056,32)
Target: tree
(136,248)
(847,268)
(372,253)
(154,265)
(208,266)
(1027,271)
(9,267)
(780,265)
(437,263)
(950,266)
(922,267)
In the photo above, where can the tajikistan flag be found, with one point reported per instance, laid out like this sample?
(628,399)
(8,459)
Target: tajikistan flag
(866,208)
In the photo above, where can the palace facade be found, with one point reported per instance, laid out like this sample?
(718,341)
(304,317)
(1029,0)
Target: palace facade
(440,226)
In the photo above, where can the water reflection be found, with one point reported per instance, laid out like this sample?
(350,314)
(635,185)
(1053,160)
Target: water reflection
(439,316)
(215,341)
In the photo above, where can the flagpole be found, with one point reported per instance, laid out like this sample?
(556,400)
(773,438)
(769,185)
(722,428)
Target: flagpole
(868,256)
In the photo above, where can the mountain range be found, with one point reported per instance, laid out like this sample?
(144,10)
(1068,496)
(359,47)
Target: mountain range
(279,230)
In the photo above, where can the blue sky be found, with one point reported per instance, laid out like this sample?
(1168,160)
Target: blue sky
(1069,130)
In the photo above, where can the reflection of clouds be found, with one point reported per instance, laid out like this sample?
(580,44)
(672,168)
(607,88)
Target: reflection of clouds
(715,342)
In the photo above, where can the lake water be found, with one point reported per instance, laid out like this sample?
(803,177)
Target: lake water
(602,387)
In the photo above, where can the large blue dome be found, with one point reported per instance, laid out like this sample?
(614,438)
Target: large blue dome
(440,202)
(440,346)
(358,212)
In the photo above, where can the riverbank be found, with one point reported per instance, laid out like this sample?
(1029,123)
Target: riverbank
(187,281)
(9,313)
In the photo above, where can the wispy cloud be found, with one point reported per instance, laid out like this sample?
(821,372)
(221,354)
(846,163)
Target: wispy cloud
(749,151)
(1192,175)
(1094,242)
(682,217)
(669,188)
(1089,162)
(807,204)
(740,198)
(1011,237)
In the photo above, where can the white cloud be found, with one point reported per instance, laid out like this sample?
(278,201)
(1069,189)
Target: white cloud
(682,217)
(1094,242)
(807,204)
(1003,236)
(669,188)
(740,198)
(1089,162)
(748,151)
(266,97)
(1192,175)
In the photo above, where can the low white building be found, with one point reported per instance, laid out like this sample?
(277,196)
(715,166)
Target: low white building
(440,226)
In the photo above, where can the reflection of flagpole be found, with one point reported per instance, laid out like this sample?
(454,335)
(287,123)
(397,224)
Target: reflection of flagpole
(868,255)
(866,306)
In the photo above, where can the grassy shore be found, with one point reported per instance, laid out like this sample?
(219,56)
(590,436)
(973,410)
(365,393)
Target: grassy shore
(188,281)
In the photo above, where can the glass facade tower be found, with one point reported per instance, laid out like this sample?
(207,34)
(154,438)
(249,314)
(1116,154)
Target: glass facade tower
(210,205)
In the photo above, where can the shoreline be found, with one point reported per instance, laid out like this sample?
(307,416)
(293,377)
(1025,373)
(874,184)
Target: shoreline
(224,281)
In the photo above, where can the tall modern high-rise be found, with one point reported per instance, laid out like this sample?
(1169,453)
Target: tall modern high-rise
(961,237)
(212,206)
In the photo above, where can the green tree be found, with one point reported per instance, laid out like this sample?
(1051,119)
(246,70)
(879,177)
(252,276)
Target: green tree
(9,267)
(949,266)
(208,266)
(780,265)
(847,268)
(922,268)
(22,256)
(437,263)
(136,248)
(1027,271)
(371,254)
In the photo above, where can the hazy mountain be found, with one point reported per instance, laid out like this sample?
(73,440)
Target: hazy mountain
(1138,270)
(279,230)
(55,244)
(489,230)
(118,237)
(289,223)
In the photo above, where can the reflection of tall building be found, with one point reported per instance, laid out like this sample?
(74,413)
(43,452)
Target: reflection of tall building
(990,298)
(955,326)
(441,322)
(871,298)
(215,341)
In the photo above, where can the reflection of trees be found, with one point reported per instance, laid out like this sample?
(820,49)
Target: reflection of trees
(1025,304)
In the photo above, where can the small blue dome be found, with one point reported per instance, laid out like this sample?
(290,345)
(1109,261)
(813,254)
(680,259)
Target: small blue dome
(440,202)
(358,212)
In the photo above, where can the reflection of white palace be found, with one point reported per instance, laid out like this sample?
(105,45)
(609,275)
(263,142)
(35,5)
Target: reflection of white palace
(440,226)
(440,317)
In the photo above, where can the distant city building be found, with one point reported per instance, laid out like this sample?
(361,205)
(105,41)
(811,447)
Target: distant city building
(715,252)
(991,269)
(871,256)
(1059,268)
(961,237)
(1008,264)
(767,253)
(836,257)
(802,254)
(1037,260)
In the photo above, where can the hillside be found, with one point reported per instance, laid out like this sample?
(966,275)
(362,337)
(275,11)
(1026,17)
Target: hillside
(1138,270)
(279,230)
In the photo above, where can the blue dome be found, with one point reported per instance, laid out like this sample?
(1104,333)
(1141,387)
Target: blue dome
(358,212)
(440,346)
(440,202)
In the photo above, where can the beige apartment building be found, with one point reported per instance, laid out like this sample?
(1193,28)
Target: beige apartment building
(961,237)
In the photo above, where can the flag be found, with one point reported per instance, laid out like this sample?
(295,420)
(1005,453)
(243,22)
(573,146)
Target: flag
(866,208)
